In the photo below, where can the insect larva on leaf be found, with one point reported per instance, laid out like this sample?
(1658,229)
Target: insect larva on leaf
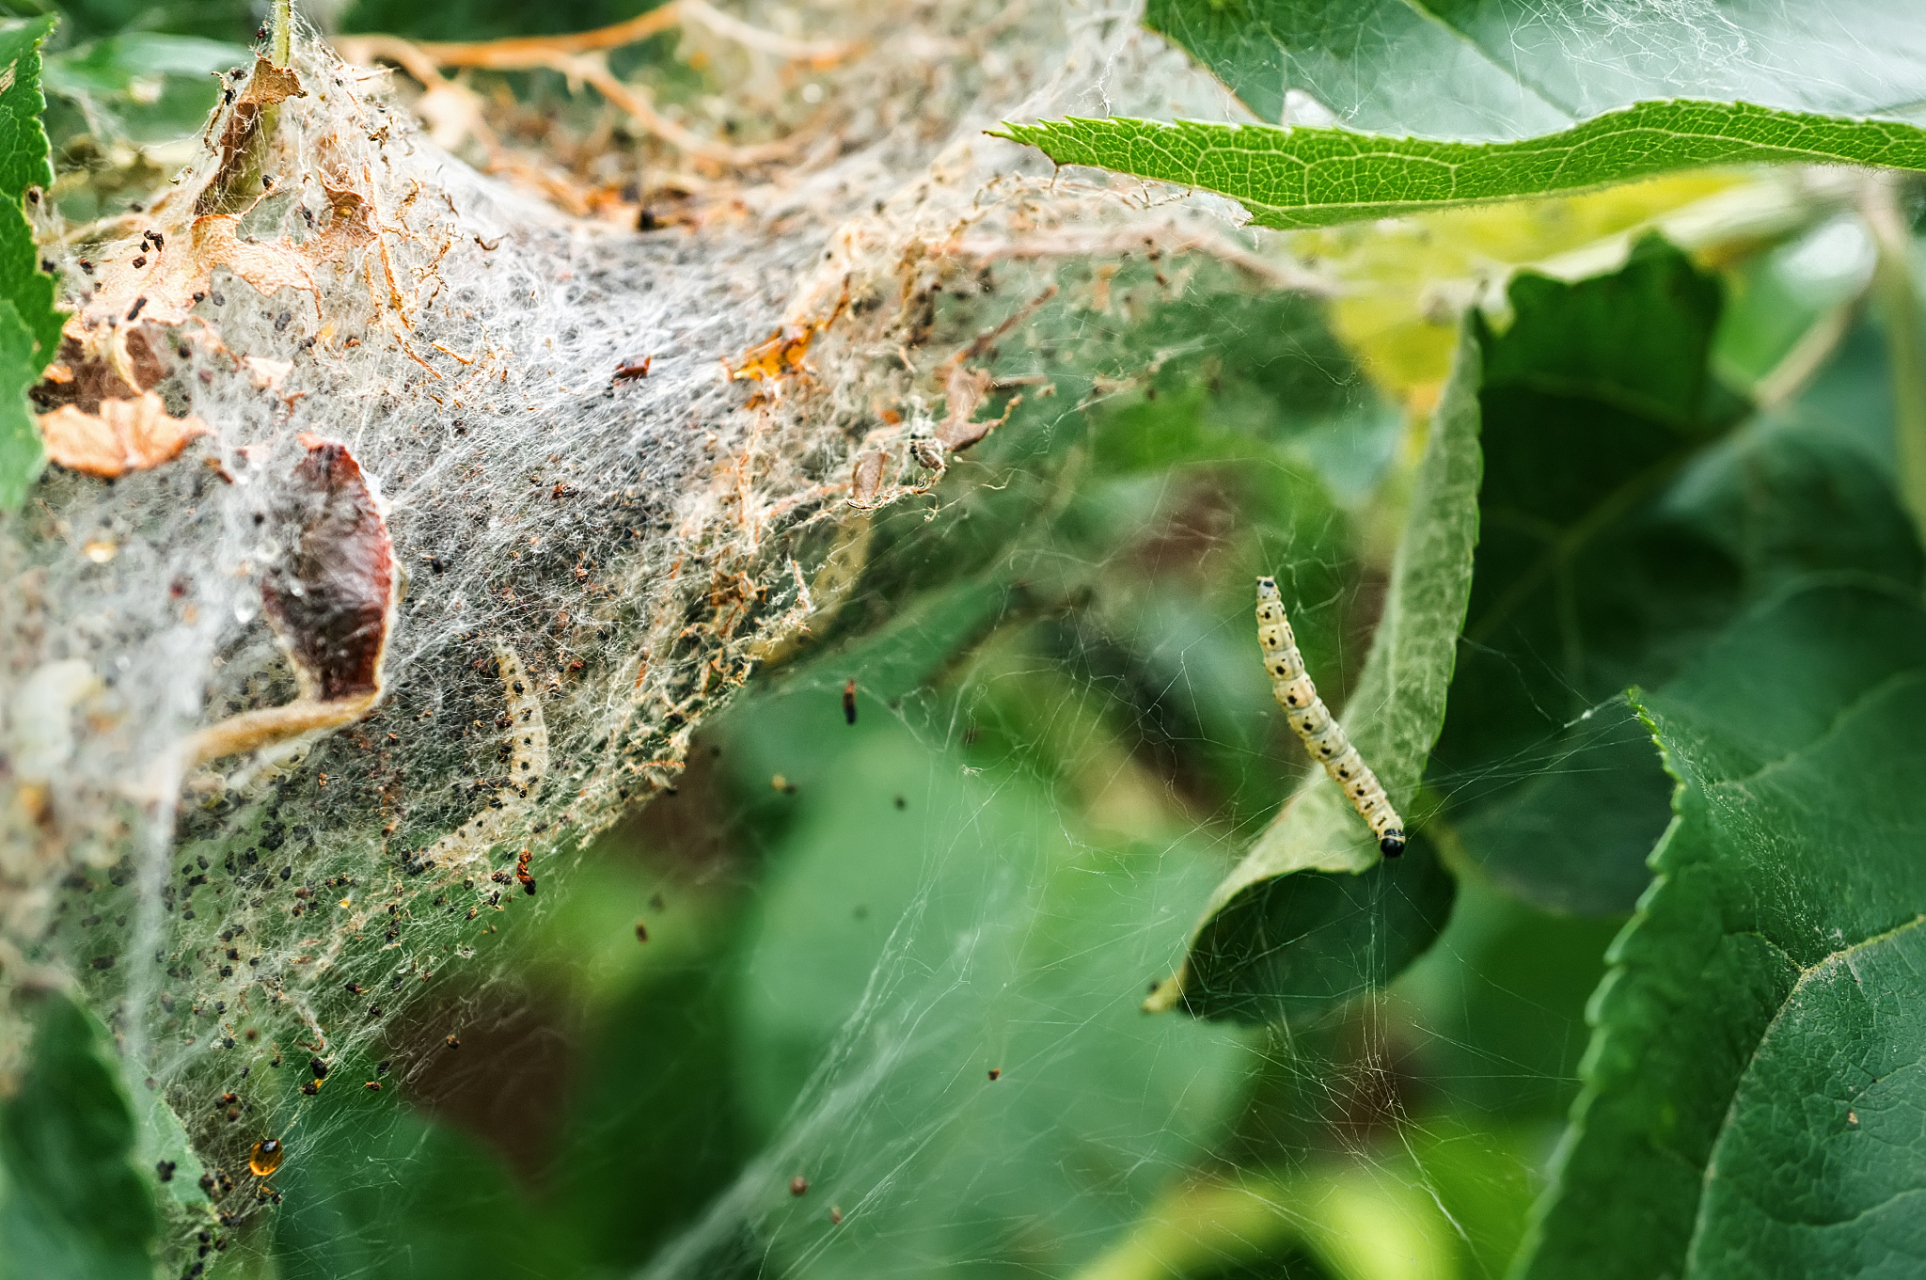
(1312,721)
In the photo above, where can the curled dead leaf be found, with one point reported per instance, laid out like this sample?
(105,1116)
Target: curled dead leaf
(332,598)
(866,480)
(966,389)
(271,84)
(125,435)
(332,602)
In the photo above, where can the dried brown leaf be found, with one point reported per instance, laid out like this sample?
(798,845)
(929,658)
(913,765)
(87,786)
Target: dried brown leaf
(125,435)
(332,598)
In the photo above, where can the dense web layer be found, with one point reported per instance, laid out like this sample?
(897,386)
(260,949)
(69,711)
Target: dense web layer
(583,563)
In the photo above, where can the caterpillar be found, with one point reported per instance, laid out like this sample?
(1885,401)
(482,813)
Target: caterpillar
(1312,721)
(527,765)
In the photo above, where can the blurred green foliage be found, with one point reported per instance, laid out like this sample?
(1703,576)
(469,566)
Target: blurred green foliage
(486,19)
(71,1202)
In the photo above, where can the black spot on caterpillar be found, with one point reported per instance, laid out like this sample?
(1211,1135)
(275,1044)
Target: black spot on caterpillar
(1312,721)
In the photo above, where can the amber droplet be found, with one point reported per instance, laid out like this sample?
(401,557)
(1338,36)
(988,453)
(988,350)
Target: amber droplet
(798,1185)
(266,1157)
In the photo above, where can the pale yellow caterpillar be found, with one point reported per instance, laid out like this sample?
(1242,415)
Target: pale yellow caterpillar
(1312,720)
(527,765)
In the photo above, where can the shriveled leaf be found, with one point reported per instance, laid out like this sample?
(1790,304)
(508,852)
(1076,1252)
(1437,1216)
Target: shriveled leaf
(1794,742)
(171,275)
(333,599)
(1251,961)
(1507,68)
(125,435)
(1316,177)
(74,1207)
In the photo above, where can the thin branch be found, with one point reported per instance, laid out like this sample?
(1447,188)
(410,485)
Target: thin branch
(282,33)
(579,56)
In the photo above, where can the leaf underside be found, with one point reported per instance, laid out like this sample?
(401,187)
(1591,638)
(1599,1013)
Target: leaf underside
(1513,68)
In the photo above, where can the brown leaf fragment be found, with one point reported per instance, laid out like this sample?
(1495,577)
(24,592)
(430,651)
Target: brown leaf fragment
(783,352)
(82,380)
(350,223)
(780,353)
(332,597)
(241,136)
(271,84)
(866,480)
(144,355)
(176,274)
(125,435)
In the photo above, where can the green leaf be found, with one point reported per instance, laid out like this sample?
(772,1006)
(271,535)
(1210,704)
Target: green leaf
(74,1204)
(1567,821)
(21,454)
(1839,1192)
(25,161)
(1586,579)
(1625,522)
(27,290)
(1318,177)
(1292,947)
(1278,937)
(1506,68)
(1794,742)
(24,157)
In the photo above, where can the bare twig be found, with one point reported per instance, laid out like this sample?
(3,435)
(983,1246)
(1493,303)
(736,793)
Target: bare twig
(580,57)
